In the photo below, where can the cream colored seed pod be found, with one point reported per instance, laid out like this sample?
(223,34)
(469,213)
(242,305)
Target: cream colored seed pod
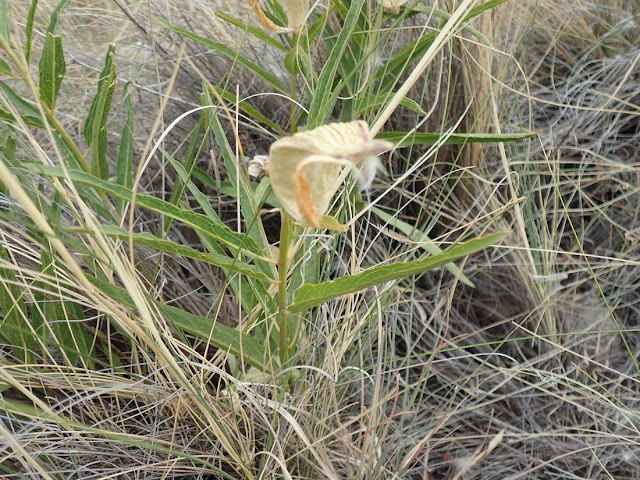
(304,168)
(392,6)
(297,11)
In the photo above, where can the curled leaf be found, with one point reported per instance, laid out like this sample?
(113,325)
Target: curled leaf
(297,11)
(304,168)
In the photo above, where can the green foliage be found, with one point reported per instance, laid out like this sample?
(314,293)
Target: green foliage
(30,114)
(312,295)
(124,165)
(262,73)
(55,16)
(4,21)
(324,96)
(14,326)
(226,338)
(406,139)
(29,30)
(52,70)
(95,127)
(273,331)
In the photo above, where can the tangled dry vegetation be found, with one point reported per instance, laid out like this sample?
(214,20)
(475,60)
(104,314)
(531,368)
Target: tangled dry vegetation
(532,374)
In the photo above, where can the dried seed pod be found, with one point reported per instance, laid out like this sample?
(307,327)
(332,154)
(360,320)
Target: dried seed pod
(392,6)
(304,168)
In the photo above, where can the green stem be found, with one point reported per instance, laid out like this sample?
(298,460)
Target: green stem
(294,122)
(283,264)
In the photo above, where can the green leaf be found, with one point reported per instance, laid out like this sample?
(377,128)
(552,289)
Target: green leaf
(124,165)
(237,242)
(31,115)
(55,16)
(323,102)
(160,244)
(65,318)
(14,325)
(72,337)
(327,222)
(312,295)
(4,67)
(52,70)
(250,213)
(407,139)
(95,127)
(249,292)
(422,239)
(29,30)
(4,21)
(374,101)
(247,108)
(257,32)
(474,12)
(268,77)
(248,207)
(224,337)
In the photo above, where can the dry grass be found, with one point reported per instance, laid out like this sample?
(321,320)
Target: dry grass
(531,375)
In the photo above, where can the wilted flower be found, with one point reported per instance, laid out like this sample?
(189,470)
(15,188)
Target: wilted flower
(304,168)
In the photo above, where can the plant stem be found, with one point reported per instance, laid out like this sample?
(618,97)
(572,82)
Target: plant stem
(283,263)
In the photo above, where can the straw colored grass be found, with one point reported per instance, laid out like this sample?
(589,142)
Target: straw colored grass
(532,374)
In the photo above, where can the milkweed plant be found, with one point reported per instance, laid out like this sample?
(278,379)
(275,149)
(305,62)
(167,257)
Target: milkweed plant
(90,210)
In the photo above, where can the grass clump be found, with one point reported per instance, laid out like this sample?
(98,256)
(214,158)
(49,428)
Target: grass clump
(164,314)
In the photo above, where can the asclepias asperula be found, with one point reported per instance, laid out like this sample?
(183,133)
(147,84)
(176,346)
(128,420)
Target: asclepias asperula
(304,168)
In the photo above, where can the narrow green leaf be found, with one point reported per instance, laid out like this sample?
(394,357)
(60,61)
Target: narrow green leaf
(250,212)
(72,337)
(249,292)
(237,242)
(30,114)
(124,165)
(422,239)
(55,16)
(224,337)
(312,295)
(372,102)
(249,209)
(323,102)
(416,138)
(95,127)
(29,29)
(4,67)
(247,108)
(65,318)
(52,70)
(227,188)
(163,245)
(257,32)
(199,137)
(14,326)
(4,21)
(474,12)
(268,77)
